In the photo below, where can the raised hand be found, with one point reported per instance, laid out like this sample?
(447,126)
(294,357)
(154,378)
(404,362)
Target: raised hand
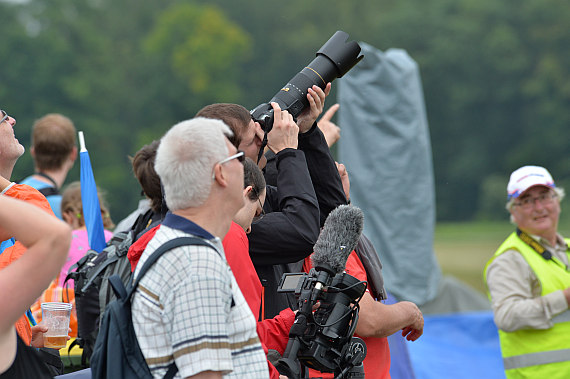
(316,97)
(285,132)
(330,129)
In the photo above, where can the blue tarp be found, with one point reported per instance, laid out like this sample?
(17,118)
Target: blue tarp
(464,345)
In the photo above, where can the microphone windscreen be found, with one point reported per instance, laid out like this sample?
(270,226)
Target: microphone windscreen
(339,237)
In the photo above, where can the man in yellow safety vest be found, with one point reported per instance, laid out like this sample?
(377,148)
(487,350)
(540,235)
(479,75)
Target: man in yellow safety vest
(528,280)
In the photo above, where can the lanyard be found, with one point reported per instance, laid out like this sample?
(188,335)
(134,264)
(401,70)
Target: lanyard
(534,245)
(544,253)
(48,178)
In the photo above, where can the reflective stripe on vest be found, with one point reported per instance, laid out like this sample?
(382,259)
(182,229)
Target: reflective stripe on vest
(526,349)
(534,359)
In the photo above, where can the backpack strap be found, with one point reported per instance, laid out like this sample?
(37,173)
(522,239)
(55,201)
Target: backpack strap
(172,370)
(142,222)
(71,272)
(46,191)
(117,240)
(369,258)
(49,191)
(95,274)
(44,175)
(169,245)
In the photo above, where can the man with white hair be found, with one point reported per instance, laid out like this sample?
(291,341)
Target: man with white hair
(528,280)
(188,308)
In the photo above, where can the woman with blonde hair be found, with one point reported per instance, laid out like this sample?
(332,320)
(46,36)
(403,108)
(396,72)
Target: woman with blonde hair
(72,213)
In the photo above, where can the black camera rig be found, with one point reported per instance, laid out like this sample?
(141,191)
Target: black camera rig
(323,340)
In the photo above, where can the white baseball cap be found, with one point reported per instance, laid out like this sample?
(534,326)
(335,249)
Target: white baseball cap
(526,177)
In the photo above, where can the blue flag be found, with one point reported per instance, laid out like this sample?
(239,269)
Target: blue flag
(90,201)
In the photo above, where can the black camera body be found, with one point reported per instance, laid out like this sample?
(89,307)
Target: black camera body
(334,59)
(323,340)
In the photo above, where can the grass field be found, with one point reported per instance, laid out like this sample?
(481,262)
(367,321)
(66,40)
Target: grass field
(463,249)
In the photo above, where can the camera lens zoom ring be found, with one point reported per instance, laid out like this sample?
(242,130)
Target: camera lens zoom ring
(319,75)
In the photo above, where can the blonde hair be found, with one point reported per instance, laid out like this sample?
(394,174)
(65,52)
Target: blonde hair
(71,202)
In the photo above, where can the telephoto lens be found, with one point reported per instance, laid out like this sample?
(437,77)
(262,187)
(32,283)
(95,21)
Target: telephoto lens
(334,59)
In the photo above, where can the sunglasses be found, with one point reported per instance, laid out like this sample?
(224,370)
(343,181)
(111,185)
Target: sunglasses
(240,156)
(4,116)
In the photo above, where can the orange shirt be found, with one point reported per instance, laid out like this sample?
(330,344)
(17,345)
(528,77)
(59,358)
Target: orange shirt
(12,253)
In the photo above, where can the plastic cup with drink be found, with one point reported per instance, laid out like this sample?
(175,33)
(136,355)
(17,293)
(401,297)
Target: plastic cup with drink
(55,316)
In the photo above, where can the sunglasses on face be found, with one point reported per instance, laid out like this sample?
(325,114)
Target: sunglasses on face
(240,156)
(4,116)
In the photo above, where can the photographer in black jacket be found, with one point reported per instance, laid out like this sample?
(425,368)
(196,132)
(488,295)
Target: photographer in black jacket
(307,187)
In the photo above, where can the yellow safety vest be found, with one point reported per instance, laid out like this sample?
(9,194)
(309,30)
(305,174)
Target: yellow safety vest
(538,353)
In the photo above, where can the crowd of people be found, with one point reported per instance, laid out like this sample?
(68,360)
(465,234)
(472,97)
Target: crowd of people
(211,310)
(214,310)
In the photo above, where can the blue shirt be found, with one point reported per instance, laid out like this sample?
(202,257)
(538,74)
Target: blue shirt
(6,244)
(53,200)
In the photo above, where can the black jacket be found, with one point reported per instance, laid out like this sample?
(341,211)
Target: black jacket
(308,188)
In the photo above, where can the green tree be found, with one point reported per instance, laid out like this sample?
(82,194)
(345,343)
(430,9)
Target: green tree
(203,48)
(494,75)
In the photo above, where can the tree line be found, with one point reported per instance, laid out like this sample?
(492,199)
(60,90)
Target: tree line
(494,76)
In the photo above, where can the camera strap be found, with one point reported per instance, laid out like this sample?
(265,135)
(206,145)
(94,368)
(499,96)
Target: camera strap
(536,246)
(262,148)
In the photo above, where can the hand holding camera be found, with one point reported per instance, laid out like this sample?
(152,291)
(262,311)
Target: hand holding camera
(285,132)
(334,59)
(316,97)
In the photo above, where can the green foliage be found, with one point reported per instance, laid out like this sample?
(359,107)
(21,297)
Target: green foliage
(202,46)
(492,198)
(494,76)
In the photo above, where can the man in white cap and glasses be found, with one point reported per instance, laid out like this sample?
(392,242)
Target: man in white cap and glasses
(528,280)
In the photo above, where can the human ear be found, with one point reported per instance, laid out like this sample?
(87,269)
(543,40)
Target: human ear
(246,191)
(218,176)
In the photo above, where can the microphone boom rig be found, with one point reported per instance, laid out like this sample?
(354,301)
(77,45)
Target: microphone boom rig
(323,340)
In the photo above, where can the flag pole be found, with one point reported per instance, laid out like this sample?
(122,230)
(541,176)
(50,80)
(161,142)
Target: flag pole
(90,201)
(81,142)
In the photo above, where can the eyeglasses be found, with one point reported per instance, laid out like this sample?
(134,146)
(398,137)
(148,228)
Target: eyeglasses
(240,156)
(528,202)
(262,213)
(4,116)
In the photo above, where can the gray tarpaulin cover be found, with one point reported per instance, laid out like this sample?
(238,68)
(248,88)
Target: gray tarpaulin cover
(386,148)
